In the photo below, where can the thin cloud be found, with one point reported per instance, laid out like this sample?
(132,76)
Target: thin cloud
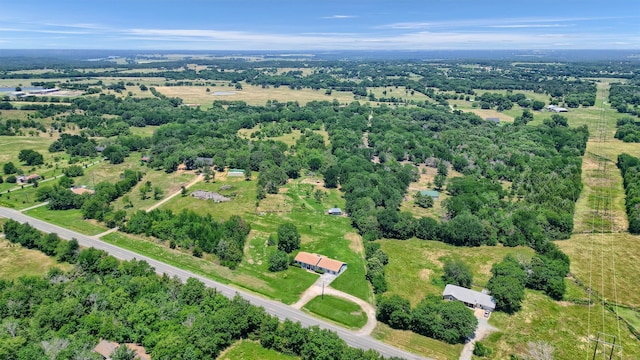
(527,26)
(339,17)
(506,22)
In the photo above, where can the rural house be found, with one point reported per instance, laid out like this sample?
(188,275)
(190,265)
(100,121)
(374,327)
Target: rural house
(471,298)
(28,179)
(106,348)
(322,263)
(334,211)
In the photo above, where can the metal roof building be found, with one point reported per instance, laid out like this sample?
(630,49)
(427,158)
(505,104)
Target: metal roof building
(471,298)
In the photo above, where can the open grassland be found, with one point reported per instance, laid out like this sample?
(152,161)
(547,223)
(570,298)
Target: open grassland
(105,171)
(250,350)
(603,258)
(415,266)
(398,92)
(252,95)
(564,325)
(284,286)
(70,219)
(417,344)
(600,187)
(241,192)
(16,114)
(338,310)
(16,261)
(143,131)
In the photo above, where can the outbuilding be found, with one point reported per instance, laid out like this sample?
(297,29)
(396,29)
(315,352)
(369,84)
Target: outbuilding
(433,193)
(335,211)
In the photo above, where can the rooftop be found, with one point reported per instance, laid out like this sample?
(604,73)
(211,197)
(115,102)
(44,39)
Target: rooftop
(469,296)
(319,261)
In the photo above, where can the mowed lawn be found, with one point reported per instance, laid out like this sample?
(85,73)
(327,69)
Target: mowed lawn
(71,219)
(250,350)
(338,310)
(16,261)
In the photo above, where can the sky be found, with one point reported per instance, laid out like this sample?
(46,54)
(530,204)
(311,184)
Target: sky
(319,24)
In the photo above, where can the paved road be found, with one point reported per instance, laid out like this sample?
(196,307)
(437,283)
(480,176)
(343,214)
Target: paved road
(275,308)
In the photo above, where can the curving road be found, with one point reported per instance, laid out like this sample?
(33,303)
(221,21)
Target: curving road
(275,308)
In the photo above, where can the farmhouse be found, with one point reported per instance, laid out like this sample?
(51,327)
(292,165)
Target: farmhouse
(433,193)
(335,211)
(317,262)
(471,298)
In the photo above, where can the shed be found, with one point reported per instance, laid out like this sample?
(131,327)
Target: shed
(235,172)
(433,193)
(144,159)
(100,148)
(471,298)
(335,211)
(493,119)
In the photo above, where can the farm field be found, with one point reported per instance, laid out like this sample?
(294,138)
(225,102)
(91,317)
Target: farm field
(252,95)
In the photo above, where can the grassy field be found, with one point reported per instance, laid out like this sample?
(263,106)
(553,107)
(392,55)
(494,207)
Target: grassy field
(168,183)
(252,95)
(608,255)
(564,325)
(415,266)
(70,219)
(242,193)
(249,350)
(417,344)
(289,139)
(338,310)
(16,261)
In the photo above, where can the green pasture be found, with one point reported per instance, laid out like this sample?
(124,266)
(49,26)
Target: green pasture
(338,310)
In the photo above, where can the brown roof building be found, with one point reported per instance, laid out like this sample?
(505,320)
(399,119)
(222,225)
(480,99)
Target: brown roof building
(317,262)
(106,348)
